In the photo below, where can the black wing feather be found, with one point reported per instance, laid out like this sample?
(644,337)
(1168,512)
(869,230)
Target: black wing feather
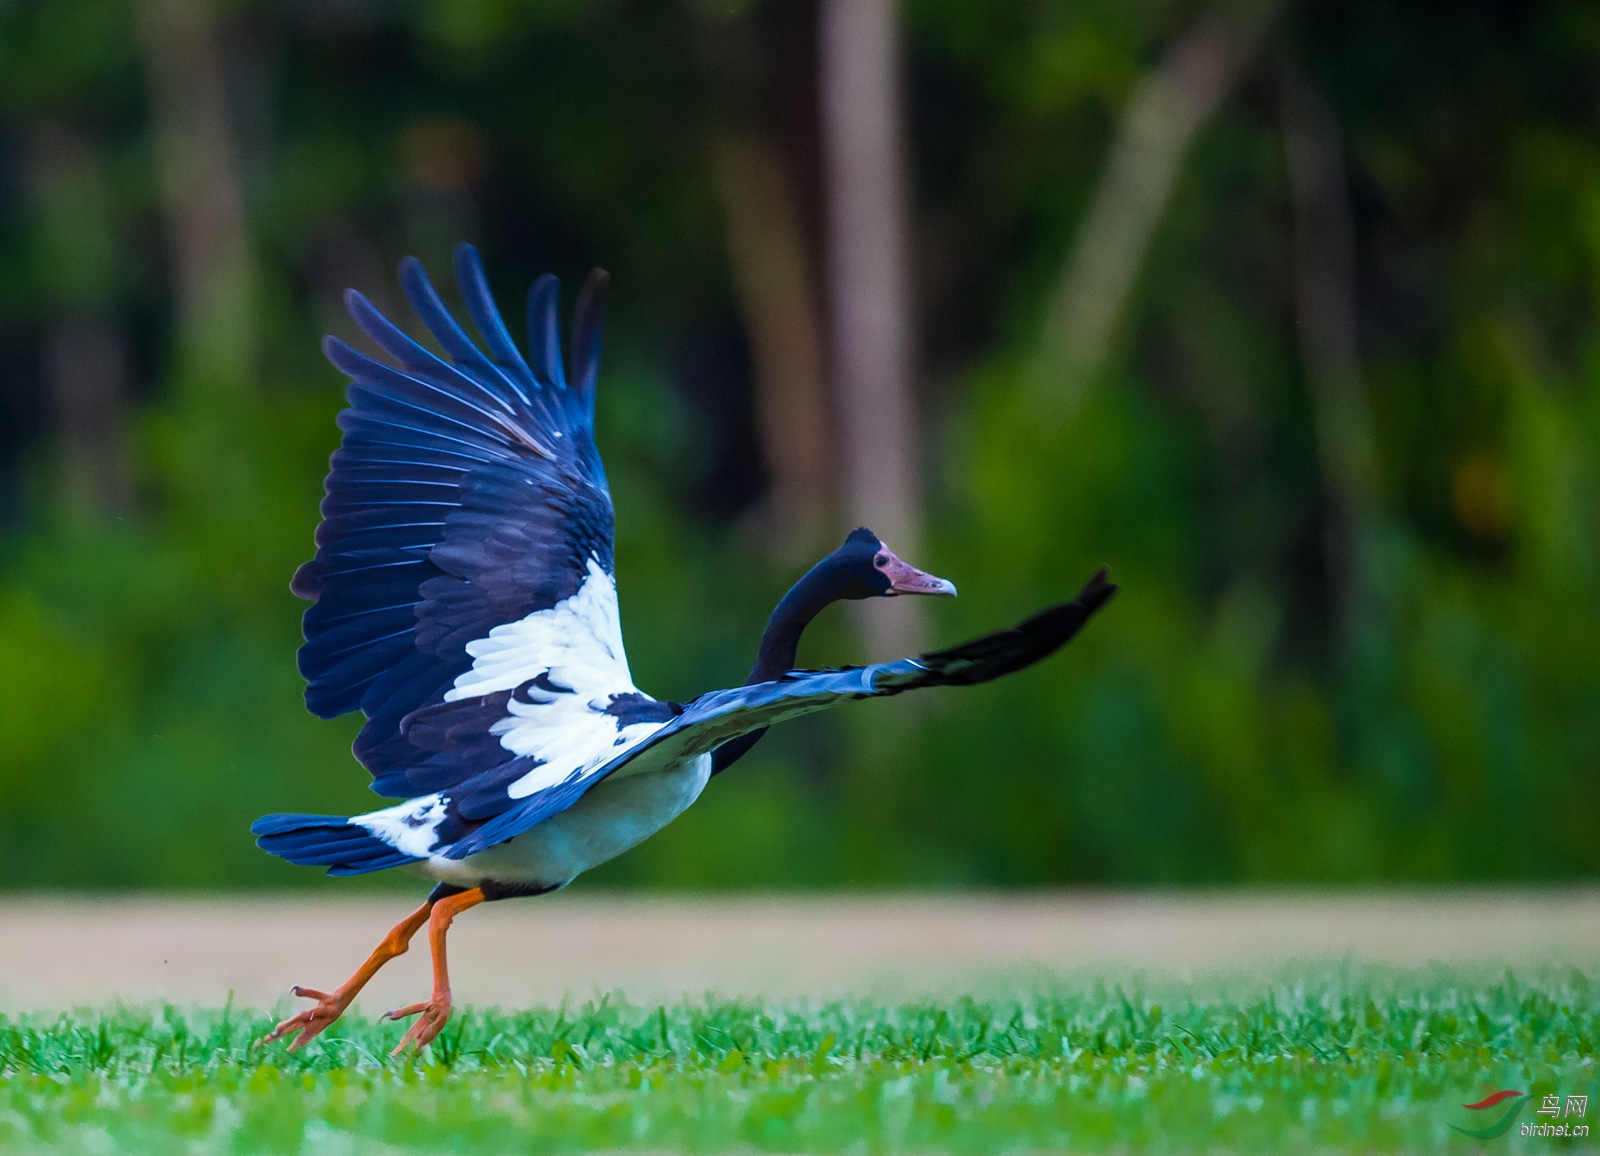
(467,494)
(588,318)
(447,331)
(481,308)
(544,329)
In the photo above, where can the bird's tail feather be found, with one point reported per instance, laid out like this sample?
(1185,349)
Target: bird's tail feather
(330,841)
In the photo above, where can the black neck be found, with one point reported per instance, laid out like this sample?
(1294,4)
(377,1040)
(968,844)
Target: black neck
(781,641)
(779,644)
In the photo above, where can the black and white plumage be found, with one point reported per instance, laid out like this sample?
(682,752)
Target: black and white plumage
(463,586)
(464,600)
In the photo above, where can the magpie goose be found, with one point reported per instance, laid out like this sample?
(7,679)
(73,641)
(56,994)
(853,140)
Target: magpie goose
(464,600)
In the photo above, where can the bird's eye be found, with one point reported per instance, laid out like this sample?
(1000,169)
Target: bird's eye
(880,560)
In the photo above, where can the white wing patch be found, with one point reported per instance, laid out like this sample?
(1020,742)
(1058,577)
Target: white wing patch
(409,826)
(577,645)
(579,641)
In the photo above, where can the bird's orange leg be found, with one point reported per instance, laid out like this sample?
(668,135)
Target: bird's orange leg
(433,1014)
(331,1005)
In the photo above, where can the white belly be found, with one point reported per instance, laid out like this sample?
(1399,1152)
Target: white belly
(617,813)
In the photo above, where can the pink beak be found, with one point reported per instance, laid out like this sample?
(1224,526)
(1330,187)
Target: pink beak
(904,579)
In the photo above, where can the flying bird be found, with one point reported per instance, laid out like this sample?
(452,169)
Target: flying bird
(464,600)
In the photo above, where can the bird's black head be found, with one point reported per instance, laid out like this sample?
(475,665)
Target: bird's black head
(861,568)
(865,568)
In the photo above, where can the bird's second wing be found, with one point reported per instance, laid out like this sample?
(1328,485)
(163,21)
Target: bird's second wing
(464,561)
(715,718)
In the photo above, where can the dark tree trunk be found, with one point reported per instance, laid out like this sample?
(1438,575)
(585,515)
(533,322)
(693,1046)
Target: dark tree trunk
(773,277)
(198,167)
(869,290)
(85,349)
(1325,293)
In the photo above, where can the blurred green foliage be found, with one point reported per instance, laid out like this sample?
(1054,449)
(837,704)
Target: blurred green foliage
(1239,713)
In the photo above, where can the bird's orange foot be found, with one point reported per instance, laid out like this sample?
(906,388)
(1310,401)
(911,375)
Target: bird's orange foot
(431,1015)
(310,1022)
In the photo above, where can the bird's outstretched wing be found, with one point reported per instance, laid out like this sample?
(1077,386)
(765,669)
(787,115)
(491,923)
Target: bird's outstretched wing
(463,582)
(715,718)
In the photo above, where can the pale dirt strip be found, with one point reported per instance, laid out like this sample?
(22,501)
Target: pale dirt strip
(59,952)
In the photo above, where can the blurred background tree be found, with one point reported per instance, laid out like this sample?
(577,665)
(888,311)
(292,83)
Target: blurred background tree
(1288,312)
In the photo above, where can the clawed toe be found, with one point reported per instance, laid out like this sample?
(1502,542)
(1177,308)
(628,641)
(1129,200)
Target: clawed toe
(309,1023)
(431,1015)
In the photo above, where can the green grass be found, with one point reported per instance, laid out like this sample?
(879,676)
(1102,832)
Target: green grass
(1332,1060)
